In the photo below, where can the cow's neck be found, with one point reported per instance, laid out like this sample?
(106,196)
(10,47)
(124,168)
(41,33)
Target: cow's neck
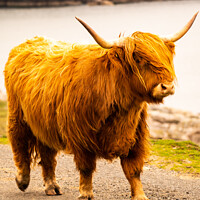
(117,136)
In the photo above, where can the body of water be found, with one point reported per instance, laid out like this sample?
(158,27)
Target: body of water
(161,18)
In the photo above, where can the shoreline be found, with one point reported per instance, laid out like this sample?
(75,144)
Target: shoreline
(60,3)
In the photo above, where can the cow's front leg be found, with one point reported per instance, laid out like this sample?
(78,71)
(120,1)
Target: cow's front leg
(133,163)
(132,173)
(86,164)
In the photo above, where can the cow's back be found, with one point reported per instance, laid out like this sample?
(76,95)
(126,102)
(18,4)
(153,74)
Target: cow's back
(34,87)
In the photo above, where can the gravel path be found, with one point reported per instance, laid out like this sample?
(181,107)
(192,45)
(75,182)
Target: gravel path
(109,182)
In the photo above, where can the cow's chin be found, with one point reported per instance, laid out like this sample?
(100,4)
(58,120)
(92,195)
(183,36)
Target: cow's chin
(157,98)
(160,96)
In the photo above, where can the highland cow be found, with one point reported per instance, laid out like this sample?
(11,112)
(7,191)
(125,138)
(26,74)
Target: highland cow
(87,100)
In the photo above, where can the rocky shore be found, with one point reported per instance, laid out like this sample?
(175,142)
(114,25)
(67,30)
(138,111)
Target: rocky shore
(170,123)
(50,3)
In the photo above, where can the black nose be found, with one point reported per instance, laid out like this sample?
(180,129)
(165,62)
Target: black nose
(163,86)
(167,87)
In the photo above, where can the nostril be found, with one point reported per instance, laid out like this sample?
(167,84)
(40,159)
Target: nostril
(163,87)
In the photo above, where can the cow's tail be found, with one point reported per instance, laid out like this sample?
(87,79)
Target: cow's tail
(34,152)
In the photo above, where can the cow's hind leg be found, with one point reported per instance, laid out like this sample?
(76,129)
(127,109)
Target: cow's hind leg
(48,163)
(20,136)
(86,164)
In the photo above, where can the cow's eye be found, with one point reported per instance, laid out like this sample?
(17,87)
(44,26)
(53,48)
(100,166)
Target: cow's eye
(135,58)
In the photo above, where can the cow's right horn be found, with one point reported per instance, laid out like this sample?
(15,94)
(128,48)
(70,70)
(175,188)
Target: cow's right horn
(182,32)
(100,40)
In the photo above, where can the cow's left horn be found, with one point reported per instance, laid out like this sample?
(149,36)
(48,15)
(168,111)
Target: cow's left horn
(182,32)
(98,39)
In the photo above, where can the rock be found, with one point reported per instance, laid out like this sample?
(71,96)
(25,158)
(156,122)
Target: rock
(169,123)
(195,137)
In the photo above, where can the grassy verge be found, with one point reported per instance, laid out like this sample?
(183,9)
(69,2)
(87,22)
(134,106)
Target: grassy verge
(4,140)
(180,156)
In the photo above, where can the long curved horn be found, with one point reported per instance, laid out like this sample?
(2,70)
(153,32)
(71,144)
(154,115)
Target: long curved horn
(98,39)
(182,32)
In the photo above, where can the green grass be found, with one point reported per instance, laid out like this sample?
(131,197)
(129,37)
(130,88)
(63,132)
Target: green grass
(181,156)
(3,118)
(4,140)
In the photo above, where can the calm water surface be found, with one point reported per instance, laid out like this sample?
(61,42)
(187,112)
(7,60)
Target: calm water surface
(162,18)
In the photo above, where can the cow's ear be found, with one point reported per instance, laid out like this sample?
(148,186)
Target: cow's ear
(171,47)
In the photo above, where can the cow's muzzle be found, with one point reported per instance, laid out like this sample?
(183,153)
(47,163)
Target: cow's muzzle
(163,89)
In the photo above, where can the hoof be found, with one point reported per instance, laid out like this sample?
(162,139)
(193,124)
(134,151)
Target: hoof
(52,190)
(22,181)
(140,197)
(86,197)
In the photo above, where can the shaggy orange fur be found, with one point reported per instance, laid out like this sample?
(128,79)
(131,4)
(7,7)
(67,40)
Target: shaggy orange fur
(86,100)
